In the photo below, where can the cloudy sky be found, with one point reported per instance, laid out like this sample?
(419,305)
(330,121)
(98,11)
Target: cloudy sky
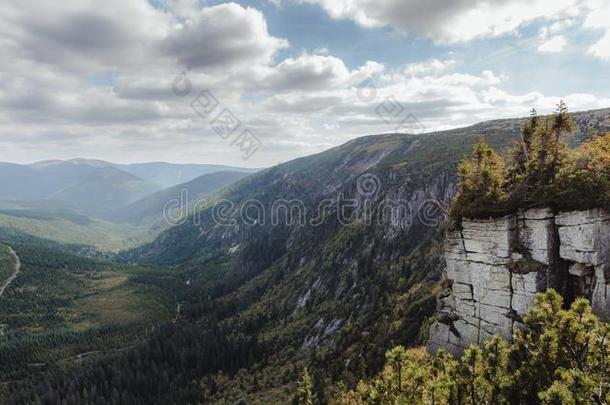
(215,82)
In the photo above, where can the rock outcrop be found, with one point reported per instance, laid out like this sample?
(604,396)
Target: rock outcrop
(495,267)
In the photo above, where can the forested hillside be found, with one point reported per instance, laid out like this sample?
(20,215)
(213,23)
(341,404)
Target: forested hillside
(63,311)
(261,299)
(557,349)
(186,195)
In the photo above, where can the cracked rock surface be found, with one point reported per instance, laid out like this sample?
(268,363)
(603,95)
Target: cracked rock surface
(496,266)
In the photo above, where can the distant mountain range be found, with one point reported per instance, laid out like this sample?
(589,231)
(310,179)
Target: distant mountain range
(161,174)
(83,186)
(95,187)
(62,199)
(185,195)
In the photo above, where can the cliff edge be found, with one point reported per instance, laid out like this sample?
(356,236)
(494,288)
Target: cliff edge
(495,267)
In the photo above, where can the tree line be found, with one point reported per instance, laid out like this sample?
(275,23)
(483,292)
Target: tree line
(540,171)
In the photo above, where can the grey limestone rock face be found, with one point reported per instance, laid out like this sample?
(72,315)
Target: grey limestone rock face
(496,267)
(584,236)
(536,229)
(585,241)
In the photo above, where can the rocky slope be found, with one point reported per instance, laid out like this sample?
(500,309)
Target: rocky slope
(495,267)
(347,291)
(414,168)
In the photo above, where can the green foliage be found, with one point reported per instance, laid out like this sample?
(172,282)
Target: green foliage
(538,158)
(584,182)
(305,389)
(560,357)
(64,310)
(481,183)
(68,228)
(541,171)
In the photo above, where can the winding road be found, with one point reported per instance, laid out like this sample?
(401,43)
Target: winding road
(15,272)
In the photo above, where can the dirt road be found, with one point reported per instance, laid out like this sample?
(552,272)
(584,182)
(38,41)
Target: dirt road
(15,272)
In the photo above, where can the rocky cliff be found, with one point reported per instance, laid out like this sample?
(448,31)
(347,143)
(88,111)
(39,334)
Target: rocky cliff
(495,267)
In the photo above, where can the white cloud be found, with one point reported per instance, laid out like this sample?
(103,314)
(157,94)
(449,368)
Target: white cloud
(449,21)
(221,36)
(66,91)
(599,19)
(561,25)
(309,72)
(84,35)
(429,66)
(81,35)
(601,49)
(551,44)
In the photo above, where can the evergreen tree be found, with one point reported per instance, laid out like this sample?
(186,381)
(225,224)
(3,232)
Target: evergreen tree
(481,183)
(305,389)
(562,123)
(517,174)
(560,356)
(584,181)
(542,172)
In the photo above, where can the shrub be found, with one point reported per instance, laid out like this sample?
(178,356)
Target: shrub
(560,357)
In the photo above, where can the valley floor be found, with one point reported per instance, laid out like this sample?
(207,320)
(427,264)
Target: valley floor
(59,311)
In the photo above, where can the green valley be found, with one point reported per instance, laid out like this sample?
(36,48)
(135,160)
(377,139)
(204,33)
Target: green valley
(305,202)
(64,310)
(80,232)
(222,312)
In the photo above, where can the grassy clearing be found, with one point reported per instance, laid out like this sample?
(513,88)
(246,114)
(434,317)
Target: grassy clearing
(101,235)
(61,307)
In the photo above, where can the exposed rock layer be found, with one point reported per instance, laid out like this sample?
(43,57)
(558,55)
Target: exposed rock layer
(495,267)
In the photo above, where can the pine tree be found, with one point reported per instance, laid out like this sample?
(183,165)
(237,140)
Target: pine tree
(517,174)
(481,183)
(559,356)
(584,181)
(529,130)
(562,123)
(305,389)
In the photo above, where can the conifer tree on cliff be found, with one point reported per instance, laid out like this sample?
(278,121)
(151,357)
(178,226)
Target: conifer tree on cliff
(561,123)
(481,183)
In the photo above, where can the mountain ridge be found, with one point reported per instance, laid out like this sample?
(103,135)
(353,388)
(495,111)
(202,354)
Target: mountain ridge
(341,164)
(152,206)
(164,174)
(262,297)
